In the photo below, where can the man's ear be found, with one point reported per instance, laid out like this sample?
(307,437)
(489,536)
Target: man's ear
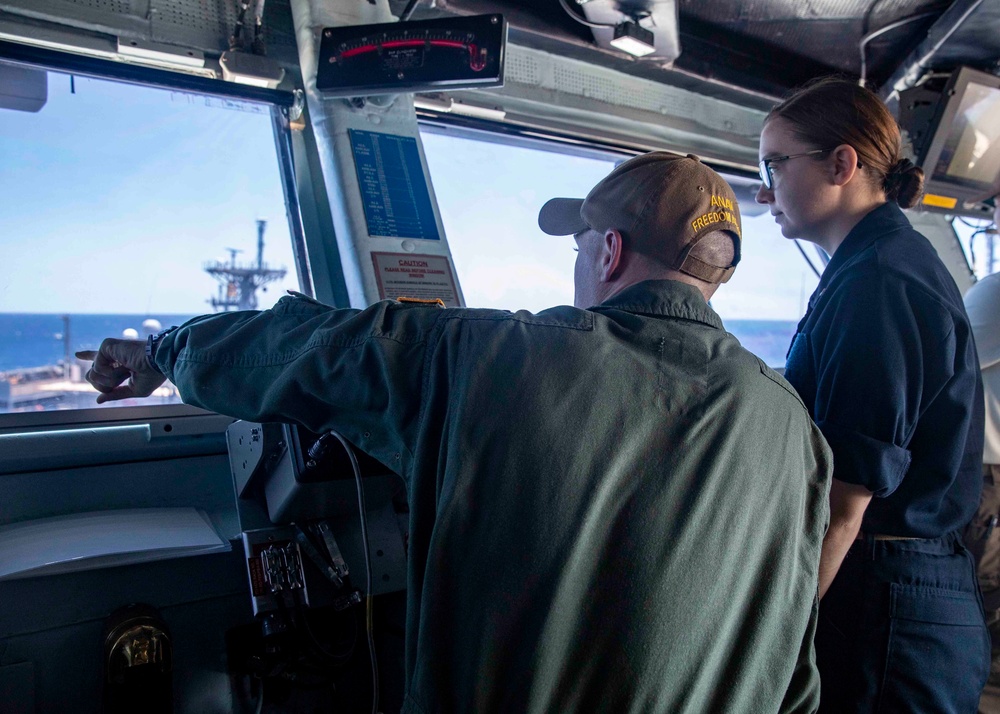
(611,254)
(845,164)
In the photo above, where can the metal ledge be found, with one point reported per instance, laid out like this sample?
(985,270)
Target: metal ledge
(82,65)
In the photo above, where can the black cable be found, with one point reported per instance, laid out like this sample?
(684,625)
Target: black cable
(260,698)
(368,565)
(965,222)
(972,244)
(408,10)
(582,21)
(806,258)
(236,41)
(257,46)
(337,658)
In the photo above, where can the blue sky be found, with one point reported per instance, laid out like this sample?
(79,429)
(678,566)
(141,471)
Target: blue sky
(114,197)
(489,197)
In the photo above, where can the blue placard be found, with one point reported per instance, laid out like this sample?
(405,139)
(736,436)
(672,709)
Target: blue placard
(393,189)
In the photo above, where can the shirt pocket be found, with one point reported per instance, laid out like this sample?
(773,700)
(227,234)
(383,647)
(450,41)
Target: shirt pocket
(938,654)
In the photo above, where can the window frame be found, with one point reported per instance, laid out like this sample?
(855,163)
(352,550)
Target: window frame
(745,183)
(280,102)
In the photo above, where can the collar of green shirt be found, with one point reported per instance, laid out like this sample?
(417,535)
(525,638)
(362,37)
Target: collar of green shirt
(663,298)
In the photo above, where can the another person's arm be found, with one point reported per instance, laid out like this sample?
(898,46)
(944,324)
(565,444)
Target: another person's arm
(848,503)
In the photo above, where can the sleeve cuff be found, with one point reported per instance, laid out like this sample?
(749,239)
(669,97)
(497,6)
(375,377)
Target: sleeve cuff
(153,344)
(877,465)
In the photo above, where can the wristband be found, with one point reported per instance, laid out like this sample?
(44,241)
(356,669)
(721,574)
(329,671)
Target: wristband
(152,342)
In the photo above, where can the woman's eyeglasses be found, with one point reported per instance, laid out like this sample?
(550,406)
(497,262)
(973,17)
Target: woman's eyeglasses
(765,165)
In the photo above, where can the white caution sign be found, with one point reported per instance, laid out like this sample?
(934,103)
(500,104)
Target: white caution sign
(427,277)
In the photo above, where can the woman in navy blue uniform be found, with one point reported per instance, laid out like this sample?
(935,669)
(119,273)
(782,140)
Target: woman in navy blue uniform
(884,360)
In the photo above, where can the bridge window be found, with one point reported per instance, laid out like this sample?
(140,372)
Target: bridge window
(981,247)
(489,193)
(769,292)
(124,209)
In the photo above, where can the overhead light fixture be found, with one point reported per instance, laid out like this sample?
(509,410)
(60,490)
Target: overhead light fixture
(249,69)
(446,105)
(631,38)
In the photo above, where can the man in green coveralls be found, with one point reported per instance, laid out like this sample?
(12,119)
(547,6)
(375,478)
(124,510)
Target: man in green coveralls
(614,507)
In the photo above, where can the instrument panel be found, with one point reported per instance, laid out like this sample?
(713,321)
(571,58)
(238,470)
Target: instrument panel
(420,56)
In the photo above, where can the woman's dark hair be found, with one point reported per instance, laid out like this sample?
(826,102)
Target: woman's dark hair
(832,111)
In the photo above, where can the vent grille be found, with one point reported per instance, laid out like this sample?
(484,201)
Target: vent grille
(522,69)
(216,17)
(120,7)
(205,25)
(568,77)
(196,13)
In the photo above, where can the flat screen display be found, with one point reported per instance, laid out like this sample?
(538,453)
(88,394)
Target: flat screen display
(971,152)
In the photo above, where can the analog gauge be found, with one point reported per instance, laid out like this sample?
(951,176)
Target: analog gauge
(412,56)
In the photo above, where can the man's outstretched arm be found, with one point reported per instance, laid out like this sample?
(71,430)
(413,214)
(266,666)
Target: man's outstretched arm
(360,372)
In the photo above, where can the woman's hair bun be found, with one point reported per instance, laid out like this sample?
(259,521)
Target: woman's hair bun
(904,183)
(902,166)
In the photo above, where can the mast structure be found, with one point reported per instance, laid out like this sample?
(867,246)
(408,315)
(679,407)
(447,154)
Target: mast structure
(239,282)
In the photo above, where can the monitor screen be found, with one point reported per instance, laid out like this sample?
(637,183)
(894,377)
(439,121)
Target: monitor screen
(970,155)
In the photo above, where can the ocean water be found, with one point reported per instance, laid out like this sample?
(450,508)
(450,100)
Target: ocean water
(768,339)
(35,340)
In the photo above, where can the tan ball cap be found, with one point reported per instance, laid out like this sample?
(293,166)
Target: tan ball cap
(663,204)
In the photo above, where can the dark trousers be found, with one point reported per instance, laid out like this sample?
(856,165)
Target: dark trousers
(983,538)
(989,703)
(902,630)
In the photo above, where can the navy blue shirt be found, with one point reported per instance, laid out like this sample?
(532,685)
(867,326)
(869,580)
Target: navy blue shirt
(885,362)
